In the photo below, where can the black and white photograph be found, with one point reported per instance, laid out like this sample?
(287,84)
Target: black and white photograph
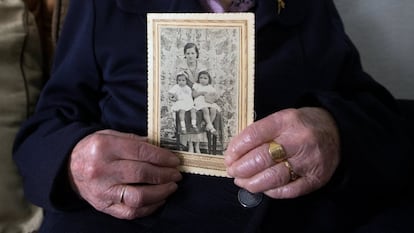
(200,85)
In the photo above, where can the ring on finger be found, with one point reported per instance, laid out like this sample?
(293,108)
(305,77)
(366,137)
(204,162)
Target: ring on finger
(276,151)
(121,199)
(292,174)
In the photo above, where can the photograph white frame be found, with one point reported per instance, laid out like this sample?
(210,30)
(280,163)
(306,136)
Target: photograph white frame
(227,43)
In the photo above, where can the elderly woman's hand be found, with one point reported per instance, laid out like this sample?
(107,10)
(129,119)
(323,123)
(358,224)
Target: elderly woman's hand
(122,175)
(310,139)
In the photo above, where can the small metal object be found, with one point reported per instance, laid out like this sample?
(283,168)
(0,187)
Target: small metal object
(293,175)
(277,152)
(248,199)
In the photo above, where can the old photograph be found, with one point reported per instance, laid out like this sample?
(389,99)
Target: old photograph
(200,85)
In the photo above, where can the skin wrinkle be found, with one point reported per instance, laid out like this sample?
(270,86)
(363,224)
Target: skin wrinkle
(140,150)
(118,175)
(99,154)
(275,175)
(261,159)
(106,197)
(88,167)
(321,132)
(145,173)
(272,174)
(253,134)
(138,199)
(304,134)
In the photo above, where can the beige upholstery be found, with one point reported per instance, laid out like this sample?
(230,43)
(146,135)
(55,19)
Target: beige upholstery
(20,83)
(26,48)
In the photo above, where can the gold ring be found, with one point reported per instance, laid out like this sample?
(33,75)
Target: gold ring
(277,152)
(293,175)
(121,200)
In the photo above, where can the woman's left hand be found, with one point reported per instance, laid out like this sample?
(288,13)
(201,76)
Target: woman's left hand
(310,139)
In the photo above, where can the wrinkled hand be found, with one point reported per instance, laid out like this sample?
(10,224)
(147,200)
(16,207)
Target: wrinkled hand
(104,163)
(311,142)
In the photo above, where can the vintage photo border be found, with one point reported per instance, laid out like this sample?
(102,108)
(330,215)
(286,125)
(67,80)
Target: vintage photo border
(204,164)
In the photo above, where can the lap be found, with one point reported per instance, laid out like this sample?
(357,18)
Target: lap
(88,221)
(395,219)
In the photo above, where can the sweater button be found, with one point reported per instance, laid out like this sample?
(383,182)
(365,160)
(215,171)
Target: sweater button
(248,199)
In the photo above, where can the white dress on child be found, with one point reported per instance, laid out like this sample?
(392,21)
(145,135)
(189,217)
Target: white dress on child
(184,98)
(200,101)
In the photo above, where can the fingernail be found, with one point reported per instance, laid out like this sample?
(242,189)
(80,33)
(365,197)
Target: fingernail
(177,176)
(230,171)
(227,161)
(174,160)
(173,186)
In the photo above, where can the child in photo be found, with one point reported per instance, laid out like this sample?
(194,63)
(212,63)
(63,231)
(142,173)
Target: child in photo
(181,95)
(205,96)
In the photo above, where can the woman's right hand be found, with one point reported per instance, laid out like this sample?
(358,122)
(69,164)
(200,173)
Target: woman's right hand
(121,174)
